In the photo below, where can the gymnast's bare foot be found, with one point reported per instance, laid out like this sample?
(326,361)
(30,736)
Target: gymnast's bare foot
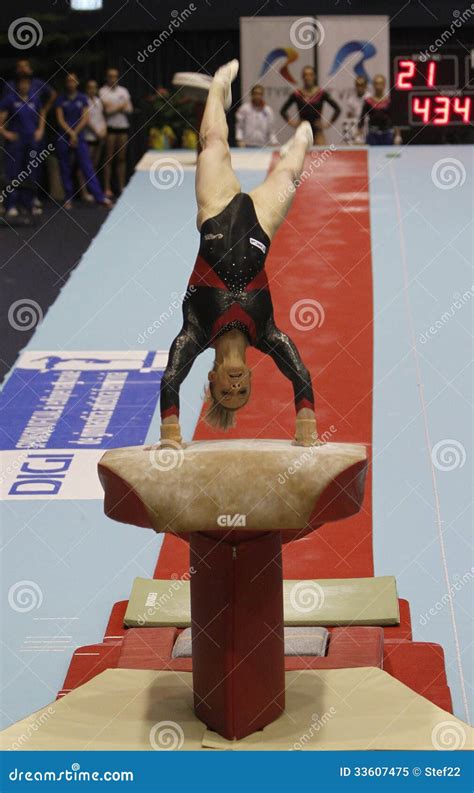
(225,75)
(304,134)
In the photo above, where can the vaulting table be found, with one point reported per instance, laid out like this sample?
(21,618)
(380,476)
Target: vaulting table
(235,502)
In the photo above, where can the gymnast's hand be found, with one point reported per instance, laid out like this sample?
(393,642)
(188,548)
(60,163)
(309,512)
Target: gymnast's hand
(171,434)
(306,433)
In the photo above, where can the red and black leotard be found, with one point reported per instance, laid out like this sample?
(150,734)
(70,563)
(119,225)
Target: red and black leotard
(377,112)
(229,289)
(310,108)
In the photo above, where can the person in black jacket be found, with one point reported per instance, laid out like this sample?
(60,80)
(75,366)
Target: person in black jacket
(310,100)
(228,305)
(376,115)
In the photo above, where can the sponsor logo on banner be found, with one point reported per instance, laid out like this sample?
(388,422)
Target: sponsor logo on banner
(285,54)
(61,410)
(364,49)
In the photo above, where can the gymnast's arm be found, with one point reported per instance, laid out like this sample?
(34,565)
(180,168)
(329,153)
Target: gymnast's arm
(286,356)
(284,111)
(184,351)
(335,106)
(366,108)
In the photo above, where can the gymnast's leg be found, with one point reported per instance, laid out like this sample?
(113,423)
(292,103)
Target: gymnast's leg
(216,183)
(273,198)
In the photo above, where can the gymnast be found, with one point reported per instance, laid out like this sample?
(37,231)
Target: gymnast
(309,101)
(228,305)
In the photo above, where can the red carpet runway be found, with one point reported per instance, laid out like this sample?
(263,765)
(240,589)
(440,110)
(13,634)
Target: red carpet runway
(319,270)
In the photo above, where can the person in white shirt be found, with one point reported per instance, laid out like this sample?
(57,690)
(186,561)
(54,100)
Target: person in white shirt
(96,129)
(94,132)
(353,107)
(254,121)
(117,107)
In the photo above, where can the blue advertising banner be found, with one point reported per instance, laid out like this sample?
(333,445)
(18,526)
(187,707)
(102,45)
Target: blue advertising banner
(60,410)
(80,400)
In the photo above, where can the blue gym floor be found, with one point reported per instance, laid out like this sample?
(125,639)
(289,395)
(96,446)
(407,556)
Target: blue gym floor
(77,563)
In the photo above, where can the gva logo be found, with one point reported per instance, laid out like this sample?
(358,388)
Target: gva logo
(231,521)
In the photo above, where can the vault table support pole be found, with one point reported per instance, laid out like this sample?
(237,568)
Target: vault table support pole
(237,631)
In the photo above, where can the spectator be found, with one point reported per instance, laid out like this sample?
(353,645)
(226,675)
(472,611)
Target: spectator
(310,100)
(96,128)
(255,120)
(72,115)
(22,122)
(117,106)
(94,132)
(39,89)
(353,110)
(43,95)
(376,111)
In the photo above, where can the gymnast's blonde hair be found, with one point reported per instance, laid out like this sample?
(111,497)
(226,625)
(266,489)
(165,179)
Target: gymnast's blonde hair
(217,415)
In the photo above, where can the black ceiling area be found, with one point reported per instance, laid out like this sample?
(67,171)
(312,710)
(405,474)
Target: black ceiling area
(135,15)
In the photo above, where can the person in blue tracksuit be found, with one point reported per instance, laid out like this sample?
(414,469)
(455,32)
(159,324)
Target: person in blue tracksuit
(72,115)
(45,93)
(22,127)
(38,88)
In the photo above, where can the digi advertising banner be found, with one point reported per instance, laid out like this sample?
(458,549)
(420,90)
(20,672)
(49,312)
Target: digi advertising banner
(62,410)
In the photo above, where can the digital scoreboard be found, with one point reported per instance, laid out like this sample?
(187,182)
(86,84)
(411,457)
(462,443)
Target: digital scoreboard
(433,96)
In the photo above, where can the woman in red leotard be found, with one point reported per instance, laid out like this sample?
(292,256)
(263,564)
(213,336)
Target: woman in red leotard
(228,305)
(309,101)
